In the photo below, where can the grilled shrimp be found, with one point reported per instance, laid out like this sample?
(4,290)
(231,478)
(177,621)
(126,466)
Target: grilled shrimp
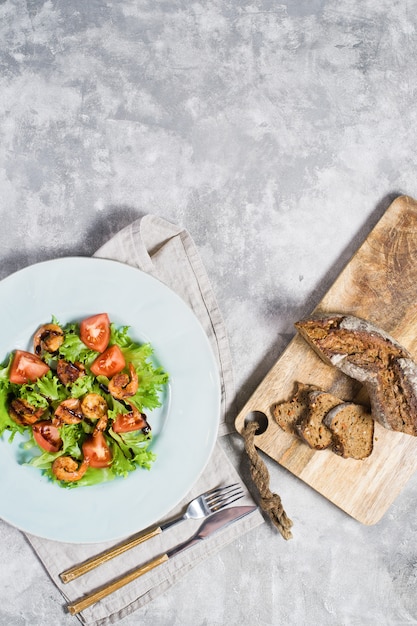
(69,372)
(48,338)
(94,406)
(24,413)
(122,386)
(101,424)
(67,468)
(68,412)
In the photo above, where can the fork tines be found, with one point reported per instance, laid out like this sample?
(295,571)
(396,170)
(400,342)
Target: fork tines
(220,497)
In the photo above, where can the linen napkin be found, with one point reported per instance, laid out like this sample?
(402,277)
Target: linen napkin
(168,253)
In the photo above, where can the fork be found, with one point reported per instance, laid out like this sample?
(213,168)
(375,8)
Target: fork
(202,506)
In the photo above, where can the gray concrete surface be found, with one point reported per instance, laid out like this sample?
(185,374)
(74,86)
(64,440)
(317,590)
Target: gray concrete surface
(277,134)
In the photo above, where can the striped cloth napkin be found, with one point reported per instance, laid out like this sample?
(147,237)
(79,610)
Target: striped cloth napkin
(168,253)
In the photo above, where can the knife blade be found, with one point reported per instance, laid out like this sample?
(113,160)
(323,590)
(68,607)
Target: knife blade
(211,525)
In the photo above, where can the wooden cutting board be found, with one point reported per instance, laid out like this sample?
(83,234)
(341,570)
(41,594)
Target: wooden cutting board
(379,284)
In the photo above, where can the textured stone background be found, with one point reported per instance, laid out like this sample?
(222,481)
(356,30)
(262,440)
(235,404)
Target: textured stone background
(277,134)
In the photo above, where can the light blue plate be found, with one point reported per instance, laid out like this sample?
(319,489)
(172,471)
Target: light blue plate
(184,427)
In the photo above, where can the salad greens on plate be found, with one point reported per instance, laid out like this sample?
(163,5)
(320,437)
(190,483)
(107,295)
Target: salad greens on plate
(80,396)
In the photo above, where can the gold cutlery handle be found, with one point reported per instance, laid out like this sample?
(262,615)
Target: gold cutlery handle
(95,561)
(105,590)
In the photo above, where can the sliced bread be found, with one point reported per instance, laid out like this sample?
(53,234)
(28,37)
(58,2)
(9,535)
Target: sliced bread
(352,430)
(289,412)
(311,427)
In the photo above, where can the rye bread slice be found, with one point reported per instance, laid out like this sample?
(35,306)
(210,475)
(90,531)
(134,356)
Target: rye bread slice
(289,412)
(311,428)
(352,429)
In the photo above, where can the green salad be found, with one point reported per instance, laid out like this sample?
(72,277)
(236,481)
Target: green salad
(81,397)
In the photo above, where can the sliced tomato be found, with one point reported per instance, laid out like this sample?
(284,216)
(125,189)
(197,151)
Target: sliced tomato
(109,363)
(96,451)
(26,367)
(47,436)
(128,422)
(95,332)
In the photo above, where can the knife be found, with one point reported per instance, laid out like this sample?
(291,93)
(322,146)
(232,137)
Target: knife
(212,524)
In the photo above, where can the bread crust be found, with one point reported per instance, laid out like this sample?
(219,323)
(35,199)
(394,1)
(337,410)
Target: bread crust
(370,355)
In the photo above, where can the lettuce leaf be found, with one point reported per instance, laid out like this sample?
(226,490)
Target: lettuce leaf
(151,377)
(135,447)
(6,422)
(73,349)
(43,392)
(83,385)
(6,390)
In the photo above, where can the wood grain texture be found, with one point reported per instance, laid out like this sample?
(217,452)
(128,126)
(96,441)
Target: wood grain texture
(378,284)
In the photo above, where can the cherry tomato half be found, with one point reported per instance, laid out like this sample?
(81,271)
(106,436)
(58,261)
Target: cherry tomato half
(128,422)
(96,451)
(109,363)
(47,436)
(95,332)
(26,367)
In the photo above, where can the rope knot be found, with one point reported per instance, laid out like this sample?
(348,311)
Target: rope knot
(269,502)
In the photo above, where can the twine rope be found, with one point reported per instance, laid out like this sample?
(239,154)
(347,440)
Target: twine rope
(269,502)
